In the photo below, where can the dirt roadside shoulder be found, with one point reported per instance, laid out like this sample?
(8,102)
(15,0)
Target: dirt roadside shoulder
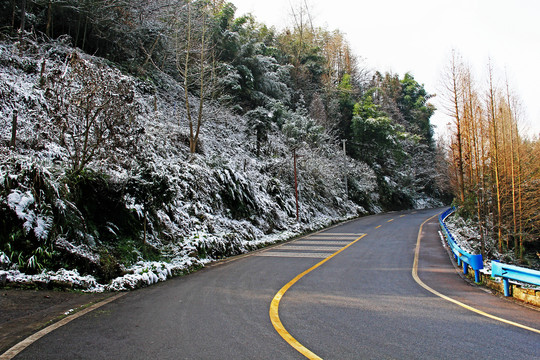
(24,312)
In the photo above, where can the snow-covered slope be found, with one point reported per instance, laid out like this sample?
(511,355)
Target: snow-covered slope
(142,208)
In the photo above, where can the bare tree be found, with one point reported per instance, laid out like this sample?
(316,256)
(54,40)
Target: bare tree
(93,111)
(496,169)
(494,125)
(454,94)
(193,61)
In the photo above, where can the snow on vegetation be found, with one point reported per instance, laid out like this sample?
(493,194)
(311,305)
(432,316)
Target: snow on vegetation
(137,209)
(468,236)
(22,204)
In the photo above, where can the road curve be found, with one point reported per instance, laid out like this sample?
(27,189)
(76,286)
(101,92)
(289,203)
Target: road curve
(363,303)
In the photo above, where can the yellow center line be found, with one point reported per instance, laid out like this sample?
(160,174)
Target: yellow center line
(274,307)
(390,220)
(378,226)
(402,216)
(435,292)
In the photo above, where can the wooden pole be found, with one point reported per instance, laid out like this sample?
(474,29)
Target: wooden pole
(296,185)
(14,129)
(345,166)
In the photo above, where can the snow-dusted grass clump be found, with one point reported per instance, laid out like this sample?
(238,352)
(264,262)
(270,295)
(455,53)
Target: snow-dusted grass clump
(143,273)
(146,273)
(62,278)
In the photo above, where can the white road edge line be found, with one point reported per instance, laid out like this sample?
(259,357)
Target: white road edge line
(447,298)
(18,348)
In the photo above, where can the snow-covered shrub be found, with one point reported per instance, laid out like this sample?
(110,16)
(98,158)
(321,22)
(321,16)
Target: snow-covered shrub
(362,186)
(301,130)
(5,261)
(27,206)
(237,194)
(92,111)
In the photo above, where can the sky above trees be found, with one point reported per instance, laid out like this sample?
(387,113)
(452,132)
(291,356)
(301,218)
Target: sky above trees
(418,36)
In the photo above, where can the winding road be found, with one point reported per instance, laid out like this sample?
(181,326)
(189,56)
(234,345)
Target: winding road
(374,288)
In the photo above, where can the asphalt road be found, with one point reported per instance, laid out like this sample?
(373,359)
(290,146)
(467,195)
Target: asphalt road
(362,303)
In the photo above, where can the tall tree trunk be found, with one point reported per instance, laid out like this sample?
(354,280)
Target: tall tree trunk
(202,85)
(520,199)
(23,18)
(457,117)
(513,120)
(14,129)
(503,170)
(495,149)
(192,144)
(13,13)
(476,160)
(49,19)
(84,32)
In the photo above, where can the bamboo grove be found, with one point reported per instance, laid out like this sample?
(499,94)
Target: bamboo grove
(494,169)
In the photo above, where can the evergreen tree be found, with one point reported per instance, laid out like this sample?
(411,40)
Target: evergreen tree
(413,105)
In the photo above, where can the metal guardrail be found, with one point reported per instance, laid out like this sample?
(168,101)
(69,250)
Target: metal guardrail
(516,273)
(498,269)
(463,258)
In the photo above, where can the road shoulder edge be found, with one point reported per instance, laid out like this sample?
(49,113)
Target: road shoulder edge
(416,278)
(19,347)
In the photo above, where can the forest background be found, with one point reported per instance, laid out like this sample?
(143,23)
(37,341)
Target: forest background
(177,140)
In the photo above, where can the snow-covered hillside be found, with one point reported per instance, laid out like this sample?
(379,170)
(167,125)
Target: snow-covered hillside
(143,208)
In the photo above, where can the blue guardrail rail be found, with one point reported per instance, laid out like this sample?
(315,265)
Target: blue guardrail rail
(512,272)
(463,258)
(498,269)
